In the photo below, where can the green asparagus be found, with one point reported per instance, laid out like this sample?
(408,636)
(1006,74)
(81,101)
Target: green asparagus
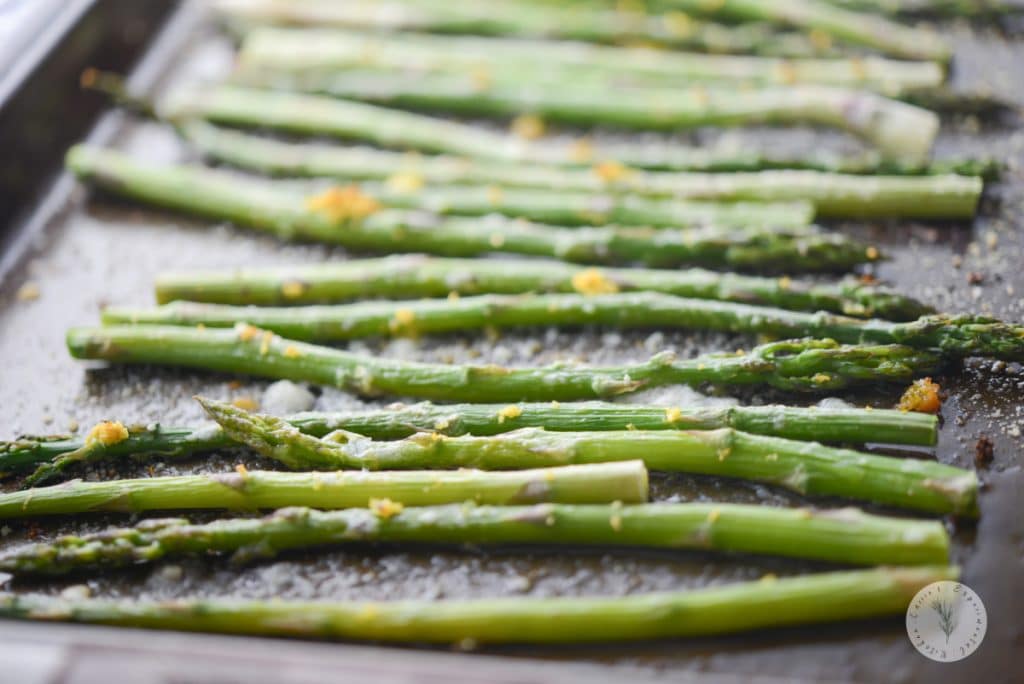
(955,336)
(313,115)
(178,186)
(818,15)
(900,131)
(802,365)
(351,218)
(297,52)
(599,25)
(986,9)
(461,139)
(51,456)
(409,276)
(807,599)
(833,195)
(624,481)
(844,536)
(804,467)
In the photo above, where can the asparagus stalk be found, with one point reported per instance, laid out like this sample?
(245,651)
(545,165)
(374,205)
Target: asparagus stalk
(599,25)
(833,195)
(844,536)
(409,276)
(857,28)
(955,336)
(808,599)
(253,489)
(985,9)
(900,131)
(803,365)
(51,456)
(318,115)
(288,215)
(282,51)
(803,467)
(178,186)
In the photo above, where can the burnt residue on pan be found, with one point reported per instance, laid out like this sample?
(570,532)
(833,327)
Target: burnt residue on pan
(97,251)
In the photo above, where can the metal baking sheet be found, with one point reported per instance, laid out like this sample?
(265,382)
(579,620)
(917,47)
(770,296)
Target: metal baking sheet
(84,251)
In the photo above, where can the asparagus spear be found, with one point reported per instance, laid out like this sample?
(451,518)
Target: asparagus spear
(985,9)
(318,115)
(833,195)
(803,365)
(408,276)
(179,186)
(322,217)
(50,456)
(808,599)
(282,51)
(817,15)
(599,25)
(844,536)
(955,336)
(254,489)
(900,131)
(804,467)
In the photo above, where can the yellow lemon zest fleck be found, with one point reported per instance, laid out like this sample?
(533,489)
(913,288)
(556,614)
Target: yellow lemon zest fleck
(268,337)
(496,240)
(406,182)
(616,522)
(107,433)
(555,404)
(245,403)
(922,396)
(293,289)
(871,252)
(343,204)
(821,378)
(673,414)
(611,171)
(442,424)
(242,470)
(453,296)
(528,126)
(246,332)
(714,515)
(510,412)
(785,282)
(385,508)
(592,281)
(292,352)
(405,316)
(724,453)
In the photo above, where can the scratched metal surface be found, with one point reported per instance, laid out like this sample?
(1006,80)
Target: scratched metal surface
(97,251)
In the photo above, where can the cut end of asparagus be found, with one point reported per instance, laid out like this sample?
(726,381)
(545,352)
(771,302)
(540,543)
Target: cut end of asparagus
(901,131)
